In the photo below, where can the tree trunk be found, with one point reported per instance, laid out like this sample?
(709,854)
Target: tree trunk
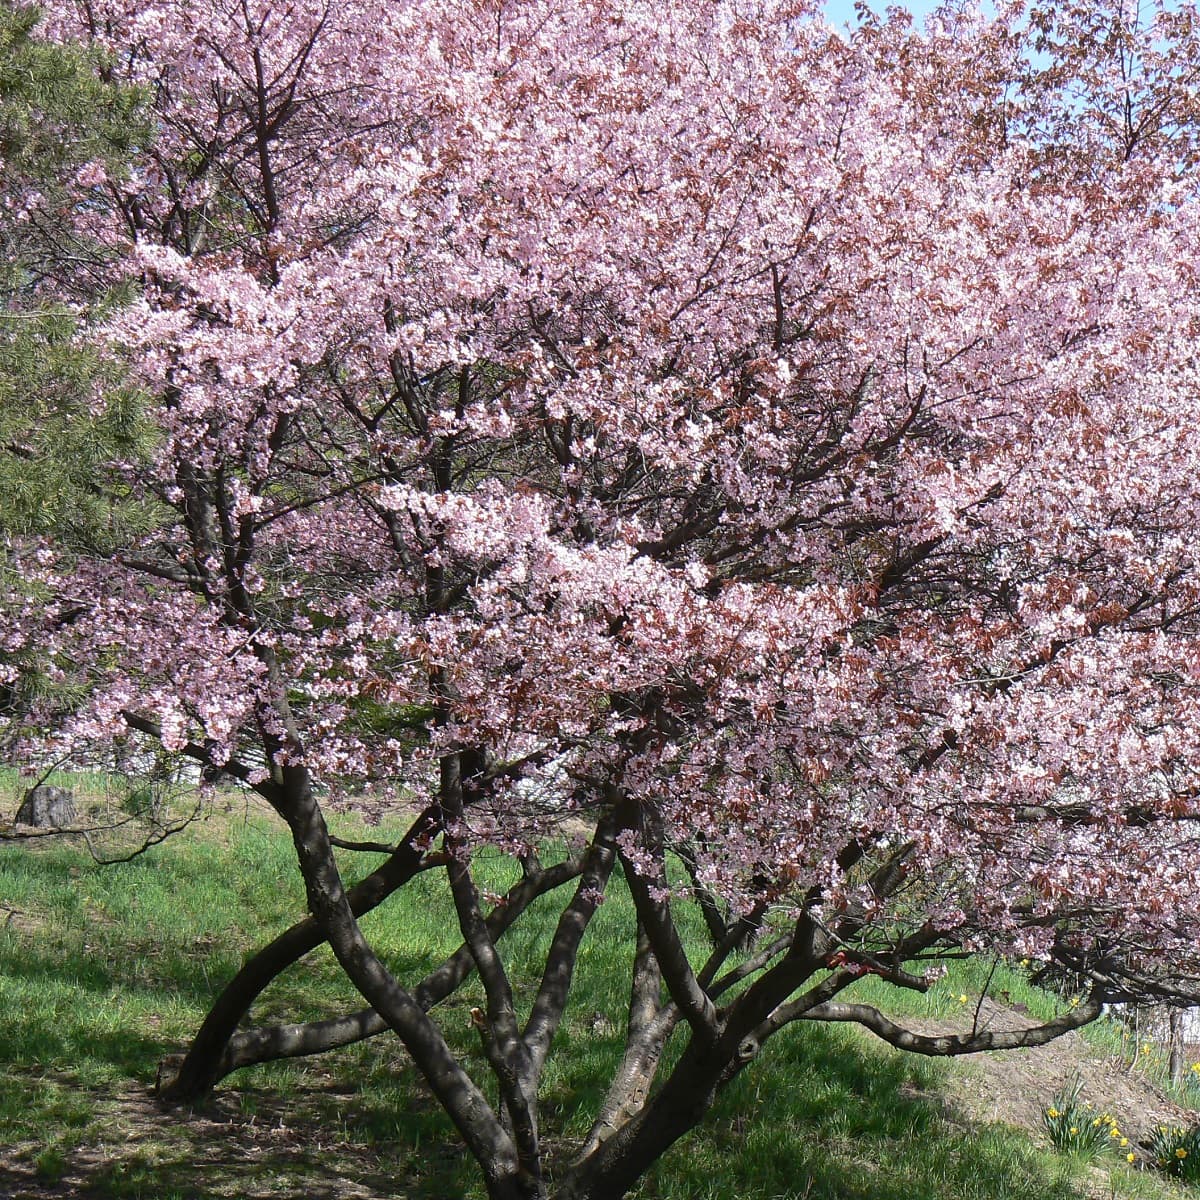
(455,1090)
(520,1186)
(619,1162)
(1175,1025)
(207,1059)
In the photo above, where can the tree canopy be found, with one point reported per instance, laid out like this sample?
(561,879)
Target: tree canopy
(773,449)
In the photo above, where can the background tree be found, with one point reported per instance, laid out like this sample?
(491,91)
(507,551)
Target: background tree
(769,449)
(61,129)
(64,414)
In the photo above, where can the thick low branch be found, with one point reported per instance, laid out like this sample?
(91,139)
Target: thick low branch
(555,987)
(945,1044)
(249,1047)
(655,915)
(650,1025)
(202,1064)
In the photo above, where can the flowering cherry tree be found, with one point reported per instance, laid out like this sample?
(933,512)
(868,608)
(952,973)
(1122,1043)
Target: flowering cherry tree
(775,451)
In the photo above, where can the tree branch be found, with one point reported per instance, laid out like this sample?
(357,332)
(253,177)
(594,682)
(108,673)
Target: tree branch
(655,915)
(555,987)
(194,750)
(269,1042)
(499,1031)
(947,1044)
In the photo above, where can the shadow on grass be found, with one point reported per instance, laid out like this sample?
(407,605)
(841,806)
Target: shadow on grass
(247,1144)
(830,1117)
(824,1117)
(95,996)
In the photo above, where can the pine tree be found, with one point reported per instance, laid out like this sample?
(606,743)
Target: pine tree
(64,409)
(64,131)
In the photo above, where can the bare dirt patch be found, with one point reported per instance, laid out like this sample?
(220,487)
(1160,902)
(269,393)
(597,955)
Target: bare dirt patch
(1014,1087)
(139,1148)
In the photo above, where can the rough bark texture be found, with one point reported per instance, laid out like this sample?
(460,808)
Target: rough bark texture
(47,807)
(210,1058)
(248,1047)
(464,1103)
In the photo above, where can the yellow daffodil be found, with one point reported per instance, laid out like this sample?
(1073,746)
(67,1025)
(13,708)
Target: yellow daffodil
(1052,1113)
(1130,1157)
(1181,1153)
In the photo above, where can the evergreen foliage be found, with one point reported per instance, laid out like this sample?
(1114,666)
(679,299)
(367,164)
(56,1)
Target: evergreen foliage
(63,409)
(65,415)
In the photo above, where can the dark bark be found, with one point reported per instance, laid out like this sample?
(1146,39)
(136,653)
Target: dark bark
(459,1096)
(620,1160)
(551,999)
(498,1029)
(204,1063)
(714,1055)
(942,1045)
(655,915)
(249,1047)
(650,1025)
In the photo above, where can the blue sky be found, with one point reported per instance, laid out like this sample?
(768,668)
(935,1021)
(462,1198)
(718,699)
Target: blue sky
(842,11)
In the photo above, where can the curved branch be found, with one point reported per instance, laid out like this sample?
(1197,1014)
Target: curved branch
(237,770)
(655,915)
(201,1066)
(948,1044)
(248,1047)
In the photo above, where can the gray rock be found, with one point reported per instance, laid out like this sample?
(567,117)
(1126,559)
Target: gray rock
(47,807)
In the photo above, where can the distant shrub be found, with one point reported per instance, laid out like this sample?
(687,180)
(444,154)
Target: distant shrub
(139,801)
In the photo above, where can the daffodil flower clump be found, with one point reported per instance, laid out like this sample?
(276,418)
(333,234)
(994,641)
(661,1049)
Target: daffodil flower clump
(1073,1126)
(1175,1149)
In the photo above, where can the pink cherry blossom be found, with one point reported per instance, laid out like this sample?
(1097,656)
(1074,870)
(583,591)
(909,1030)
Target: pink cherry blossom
(781,444)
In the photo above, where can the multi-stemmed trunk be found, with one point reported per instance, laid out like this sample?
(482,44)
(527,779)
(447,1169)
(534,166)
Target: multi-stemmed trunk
(645,1112)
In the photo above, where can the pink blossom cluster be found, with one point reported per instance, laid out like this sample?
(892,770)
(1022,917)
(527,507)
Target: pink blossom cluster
(672,397)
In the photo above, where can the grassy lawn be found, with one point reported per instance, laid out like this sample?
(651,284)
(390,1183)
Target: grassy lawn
(103,970)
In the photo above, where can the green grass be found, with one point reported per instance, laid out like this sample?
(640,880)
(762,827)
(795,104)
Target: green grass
(830,1116)
(105,970)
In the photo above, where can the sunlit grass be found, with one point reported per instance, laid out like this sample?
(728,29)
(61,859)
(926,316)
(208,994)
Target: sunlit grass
(105,970)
